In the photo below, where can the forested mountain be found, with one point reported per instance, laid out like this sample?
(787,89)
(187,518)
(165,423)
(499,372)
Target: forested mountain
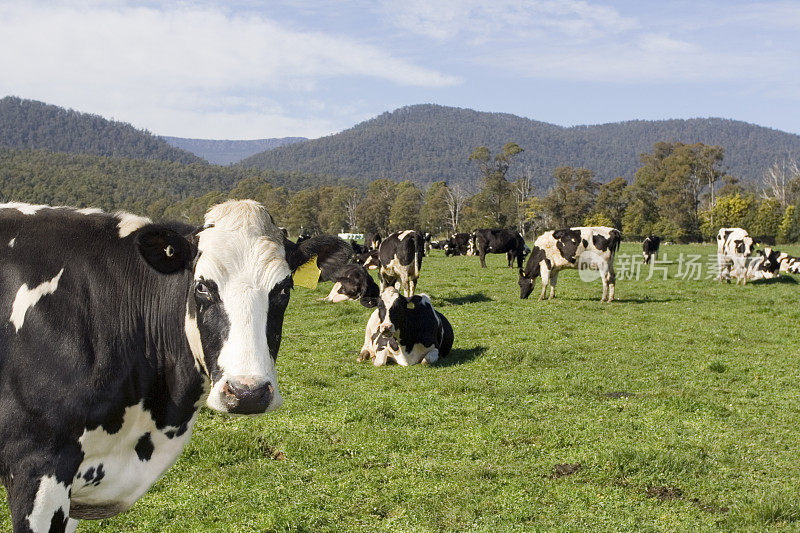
(427,143)
(142,186)
(28,124)
(225,152)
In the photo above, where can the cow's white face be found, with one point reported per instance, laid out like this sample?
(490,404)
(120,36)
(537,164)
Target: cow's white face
(236,306)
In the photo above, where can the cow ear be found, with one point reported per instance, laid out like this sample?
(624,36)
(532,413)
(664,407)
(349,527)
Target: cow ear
(522,273)
(369,301)
(165,250)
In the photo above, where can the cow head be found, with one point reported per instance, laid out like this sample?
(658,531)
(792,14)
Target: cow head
(526,282)
(240,284)
(392,309)
(527,277)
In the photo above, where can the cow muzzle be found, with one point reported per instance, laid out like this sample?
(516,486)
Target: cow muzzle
(249,395)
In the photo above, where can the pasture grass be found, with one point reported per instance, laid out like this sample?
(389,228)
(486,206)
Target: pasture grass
(674,408)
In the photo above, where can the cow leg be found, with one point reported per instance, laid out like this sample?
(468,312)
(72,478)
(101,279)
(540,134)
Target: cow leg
(367,350)
(39,503)
(72,525)
(482,253)
(545,283)
(431,357)
(553,282)
(612,280)
(604,279)
(406,284)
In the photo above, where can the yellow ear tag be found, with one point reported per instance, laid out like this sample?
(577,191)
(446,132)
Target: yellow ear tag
(307,274)
(410,305)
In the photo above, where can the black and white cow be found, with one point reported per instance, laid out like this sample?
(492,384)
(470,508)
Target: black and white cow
(400,256)
(369,259)
(117,331)
(406,330)
(499,241)
(458,244)
(788,263)
(579,247)
(427,238)
(372,240)
(353,282)
(765,264)
(734,246)
(650,247)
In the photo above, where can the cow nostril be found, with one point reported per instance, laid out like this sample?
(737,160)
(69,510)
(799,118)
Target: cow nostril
(246,396)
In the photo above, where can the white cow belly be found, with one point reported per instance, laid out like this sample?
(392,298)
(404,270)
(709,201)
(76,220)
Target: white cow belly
(112,474)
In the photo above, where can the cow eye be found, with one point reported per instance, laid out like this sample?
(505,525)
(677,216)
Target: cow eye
(202,290)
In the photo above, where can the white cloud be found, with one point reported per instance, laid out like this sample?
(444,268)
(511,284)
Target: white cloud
(106,56)
(481,21)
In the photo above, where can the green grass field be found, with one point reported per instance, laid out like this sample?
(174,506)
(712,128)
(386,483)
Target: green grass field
(675,408)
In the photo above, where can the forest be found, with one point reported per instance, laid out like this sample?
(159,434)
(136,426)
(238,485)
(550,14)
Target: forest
(429,143)
(682,191)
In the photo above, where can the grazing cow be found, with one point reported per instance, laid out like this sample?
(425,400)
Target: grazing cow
(458,244)
(499,241)
(650,247)
(400,256)
(372,240)
(734,246)
(438,245)
(117,331)
(407,330)
(765,264)
(580,247)
(353,282)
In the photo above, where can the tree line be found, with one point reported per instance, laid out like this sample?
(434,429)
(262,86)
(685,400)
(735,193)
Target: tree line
(679,192)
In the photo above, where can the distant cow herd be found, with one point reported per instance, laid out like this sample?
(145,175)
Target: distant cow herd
(118,330)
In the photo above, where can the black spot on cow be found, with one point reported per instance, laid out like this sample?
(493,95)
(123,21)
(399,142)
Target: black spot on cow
(94,475)
(567,241)
(59,521)
(600,242)
(585,243)
(170,434)
(144,448)
(739,244)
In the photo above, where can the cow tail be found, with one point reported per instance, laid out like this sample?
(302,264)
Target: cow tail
(616,240)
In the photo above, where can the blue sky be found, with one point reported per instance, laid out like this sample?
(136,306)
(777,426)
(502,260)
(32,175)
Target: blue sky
(256,69)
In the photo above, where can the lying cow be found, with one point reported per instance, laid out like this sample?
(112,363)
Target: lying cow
(400,256)
(734,246)
(499,241)
(788,263)
(353,282)
(117,331)
(650,247)
(406,330)
(458,244)
(580,247)
(765,265)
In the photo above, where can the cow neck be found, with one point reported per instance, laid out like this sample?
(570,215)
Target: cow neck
(172,386)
